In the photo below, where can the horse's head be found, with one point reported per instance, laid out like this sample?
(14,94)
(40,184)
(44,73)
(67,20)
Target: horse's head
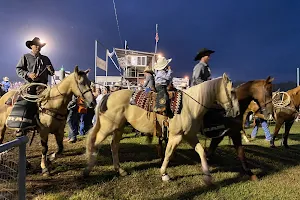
(227,97)
(82,87)
(262,94)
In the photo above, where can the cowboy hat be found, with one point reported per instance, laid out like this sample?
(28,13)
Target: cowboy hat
(183,85)
(162,63)
(149,70)
(35,41)
(118,84)
(203,52)
(5,78)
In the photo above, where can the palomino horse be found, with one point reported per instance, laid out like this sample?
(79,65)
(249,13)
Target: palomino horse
(53,110)
(286,115)
(257,90)
(195,103)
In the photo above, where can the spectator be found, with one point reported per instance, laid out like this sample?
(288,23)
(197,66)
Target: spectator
(5,84)
(264,126)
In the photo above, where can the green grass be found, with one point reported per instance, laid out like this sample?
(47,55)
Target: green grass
(278,170)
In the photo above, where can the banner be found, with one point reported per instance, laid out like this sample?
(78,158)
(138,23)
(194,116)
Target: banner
(101,63)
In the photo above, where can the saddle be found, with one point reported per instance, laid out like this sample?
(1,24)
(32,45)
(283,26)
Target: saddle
(147,100)
(214,123)
(22,114)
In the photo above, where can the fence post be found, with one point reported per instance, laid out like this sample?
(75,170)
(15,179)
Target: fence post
(22,171)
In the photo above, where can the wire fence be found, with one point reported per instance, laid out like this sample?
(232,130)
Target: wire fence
(13,169)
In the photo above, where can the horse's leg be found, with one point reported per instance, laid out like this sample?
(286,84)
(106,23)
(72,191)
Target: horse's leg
(288,126)
(195,144)
(173,142)
(2,132)
(237,142)
(244,135)
(95,137)
(59,137)
(278,125)
(44,142)
(115,146)
(213,146)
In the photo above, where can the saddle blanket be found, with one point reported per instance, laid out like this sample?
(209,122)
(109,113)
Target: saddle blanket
(147,100)
(214,123)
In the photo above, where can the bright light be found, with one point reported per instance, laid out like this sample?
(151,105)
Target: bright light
(42,41)
(186,77)
(159,55)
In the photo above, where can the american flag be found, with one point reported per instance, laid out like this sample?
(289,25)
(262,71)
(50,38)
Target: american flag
(156,35)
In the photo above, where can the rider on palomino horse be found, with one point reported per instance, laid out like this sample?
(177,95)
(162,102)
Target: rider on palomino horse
(34,67)
(162,80)
(201,71)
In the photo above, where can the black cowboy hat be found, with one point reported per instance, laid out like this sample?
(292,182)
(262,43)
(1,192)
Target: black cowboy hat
(203,52)
(35,41)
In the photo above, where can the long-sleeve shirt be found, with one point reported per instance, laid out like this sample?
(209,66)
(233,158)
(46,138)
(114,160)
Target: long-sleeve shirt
(163,77)
(5,85)
(201,73)
(149,81)
(37,64)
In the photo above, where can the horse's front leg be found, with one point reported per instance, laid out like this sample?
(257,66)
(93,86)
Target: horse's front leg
(2,132)
(278,125)
(173,142)
(44,164)
(195,144)
(59,136)
(287,127)
(237,142)
(115,146)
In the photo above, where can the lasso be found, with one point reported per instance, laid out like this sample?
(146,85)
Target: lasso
(281,99)
(23,91)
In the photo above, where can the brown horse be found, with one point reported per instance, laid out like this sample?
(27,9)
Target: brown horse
(286,115)
(257,90)
(53,110)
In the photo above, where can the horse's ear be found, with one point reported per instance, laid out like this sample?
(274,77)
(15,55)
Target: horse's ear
(76,70)
(225,77)
(87,71)
(269,79)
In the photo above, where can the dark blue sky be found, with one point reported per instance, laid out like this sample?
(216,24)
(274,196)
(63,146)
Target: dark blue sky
(252,39)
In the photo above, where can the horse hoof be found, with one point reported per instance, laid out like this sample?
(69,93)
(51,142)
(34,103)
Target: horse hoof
(45,172)
(85,173)
(122,172)
(165,177)
(253,178)
(208,180)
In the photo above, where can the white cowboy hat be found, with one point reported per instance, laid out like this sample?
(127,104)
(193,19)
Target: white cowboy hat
(5,78)
(161,63)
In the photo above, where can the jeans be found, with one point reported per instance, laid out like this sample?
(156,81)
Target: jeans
(86,121)
(264,126)
(73,120)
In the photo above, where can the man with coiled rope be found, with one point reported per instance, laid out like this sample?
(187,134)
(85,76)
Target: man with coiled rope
(33,67)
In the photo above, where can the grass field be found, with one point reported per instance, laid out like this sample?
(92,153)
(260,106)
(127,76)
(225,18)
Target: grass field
(278,170)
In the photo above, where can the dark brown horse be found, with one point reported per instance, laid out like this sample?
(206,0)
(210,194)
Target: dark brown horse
(261,92)
(286,115)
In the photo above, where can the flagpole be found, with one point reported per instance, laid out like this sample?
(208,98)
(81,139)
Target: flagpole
(156,38)
(106,65)
(95,60)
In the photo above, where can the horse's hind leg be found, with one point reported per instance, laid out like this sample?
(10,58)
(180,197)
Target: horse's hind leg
(2,132)
(115,146)
(195,144)
(173,142)
(288,126)
(213,146)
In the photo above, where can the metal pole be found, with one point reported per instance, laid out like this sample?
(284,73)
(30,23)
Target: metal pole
(106,63)
(22,170)
(95,60)
(297,76)
(156,38)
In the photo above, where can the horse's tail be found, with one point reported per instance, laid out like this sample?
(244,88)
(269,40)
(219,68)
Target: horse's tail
(92,133)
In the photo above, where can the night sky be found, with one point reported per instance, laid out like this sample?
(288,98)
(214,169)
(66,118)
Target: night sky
(252,39)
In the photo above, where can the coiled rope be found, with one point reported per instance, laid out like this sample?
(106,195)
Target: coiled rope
(23,91)
(281,99)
